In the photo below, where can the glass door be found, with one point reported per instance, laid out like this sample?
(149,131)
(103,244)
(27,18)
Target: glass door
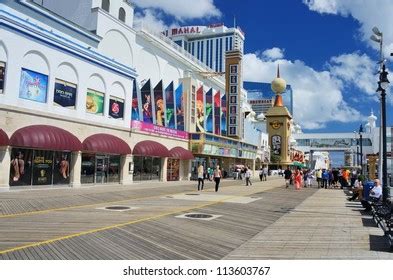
(102,165)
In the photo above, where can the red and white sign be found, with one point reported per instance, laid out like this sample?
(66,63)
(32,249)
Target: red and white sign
(185,30)
(160,130)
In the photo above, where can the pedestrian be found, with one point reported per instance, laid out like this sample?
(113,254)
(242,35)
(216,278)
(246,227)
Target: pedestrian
(287,176)
(201,179)
(248,176)
(298,179)
(318,174)
(217,176)
(265,171)
(261,174)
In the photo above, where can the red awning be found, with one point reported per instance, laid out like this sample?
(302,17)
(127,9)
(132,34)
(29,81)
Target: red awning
(106,144)
(4,140)
(181,153)
(150,148)
(45,137)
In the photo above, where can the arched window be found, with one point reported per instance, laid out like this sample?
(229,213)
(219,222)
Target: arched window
(122,15)
(105,5)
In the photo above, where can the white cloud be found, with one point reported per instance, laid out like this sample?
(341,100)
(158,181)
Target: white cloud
(368,13)
(150,20)
(273,53)
(182,9)
(317,95)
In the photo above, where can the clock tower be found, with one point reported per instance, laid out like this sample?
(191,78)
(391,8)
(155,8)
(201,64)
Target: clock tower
(278,125)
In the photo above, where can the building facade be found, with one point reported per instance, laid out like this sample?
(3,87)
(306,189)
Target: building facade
(87,99)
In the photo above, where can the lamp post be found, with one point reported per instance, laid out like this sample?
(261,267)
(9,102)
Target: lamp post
(383,84)
(361,148)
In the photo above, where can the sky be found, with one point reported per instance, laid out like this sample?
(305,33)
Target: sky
(323,48)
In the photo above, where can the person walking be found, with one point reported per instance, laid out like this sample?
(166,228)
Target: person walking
(265,171)
(298,179)
(201,177)
(318,174)
(287,176)
(261,174)
(248,176)
(217,177)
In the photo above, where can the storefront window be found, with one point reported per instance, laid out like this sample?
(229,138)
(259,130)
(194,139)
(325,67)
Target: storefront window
(100,169)
(173,170)
(21,166)
(88,169)
(61,168)
(147,168)
(42,167)
(114,169)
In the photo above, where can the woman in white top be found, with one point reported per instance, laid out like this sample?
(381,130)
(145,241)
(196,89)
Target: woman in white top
(217,176)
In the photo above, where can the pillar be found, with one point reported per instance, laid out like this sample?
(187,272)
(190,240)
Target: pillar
(253,167)
(126,169)
(76,169)
(5,163)
(164,169)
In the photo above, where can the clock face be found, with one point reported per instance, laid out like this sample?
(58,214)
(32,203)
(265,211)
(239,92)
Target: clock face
(276,124)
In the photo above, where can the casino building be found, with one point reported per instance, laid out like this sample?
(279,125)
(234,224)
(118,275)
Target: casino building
(87,99)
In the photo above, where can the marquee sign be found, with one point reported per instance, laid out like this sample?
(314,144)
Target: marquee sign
(184,30)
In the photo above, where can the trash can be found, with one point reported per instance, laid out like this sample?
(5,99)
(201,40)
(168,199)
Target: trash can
(367,186)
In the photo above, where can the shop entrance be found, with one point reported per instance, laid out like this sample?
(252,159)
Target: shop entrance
(102,163)
(100,169)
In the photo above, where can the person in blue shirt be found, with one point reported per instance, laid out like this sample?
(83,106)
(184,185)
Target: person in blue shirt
(325,178)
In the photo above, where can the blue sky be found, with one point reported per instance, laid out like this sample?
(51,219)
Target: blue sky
(322,46)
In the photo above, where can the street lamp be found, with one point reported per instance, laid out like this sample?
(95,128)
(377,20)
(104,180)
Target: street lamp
(383,84)
(357,148)
(361,148)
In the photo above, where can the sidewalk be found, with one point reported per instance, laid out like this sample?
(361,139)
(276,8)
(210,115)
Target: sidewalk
(324,226)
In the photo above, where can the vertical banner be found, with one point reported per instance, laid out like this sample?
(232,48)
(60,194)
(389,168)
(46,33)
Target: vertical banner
(159,104)
(209,111)
(179,108)
(224,115)
(2,76)
(170,107)
(200,111)
(135,103)
(147,109)
(217,113)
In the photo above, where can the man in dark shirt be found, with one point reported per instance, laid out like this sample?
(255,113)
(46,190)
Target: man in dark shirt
(287,176)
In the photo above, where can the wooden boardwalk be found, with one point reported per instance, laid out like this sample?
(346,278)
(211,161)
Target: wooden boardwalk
(70,224)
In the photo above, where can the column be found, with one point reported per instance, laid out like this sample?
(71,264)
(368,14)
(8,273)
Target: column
(164,169)
(253,167)
(5,163)
(126,169)
(76,169)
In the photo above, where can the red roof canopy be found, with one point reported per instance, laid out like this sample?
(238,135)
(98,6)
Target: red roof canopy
(107,144)
(181,153)
(4,140)
(150,148)
(45,137)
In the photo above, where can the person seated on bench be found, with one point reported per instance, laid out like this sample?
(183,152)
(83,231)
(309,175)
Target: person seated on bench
(375,195)
(357,190)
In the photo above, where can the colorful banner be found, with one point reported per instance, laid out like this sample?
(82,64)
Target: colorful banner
(217,113)
(159,104)
(170,107)
(209,111)
(147,110)
(224,115)
(179,108)
(65,94)
(159,130)
(33,86)
(95,102)
(116,107)
(135,103)
(200,111)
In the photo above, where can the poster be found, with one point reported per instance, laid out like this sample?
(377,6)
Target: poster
(33,86)
(42,167)
(170,107)
(20,169)
(159,104)
(65,94)
(179,108)
(209,111)
(224,115)
(135,103)
(116,107)
(217,113)
(200,110)
(147,109)
(2,76)
(61,168)
(95,102)
(276,145)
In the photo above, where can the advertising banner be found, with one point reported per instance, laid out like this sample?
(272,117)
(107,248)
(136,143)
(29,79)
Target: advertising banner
(159,130)
(159,104)
(135,115)
(200,111)
(65,94)
(147,109)
(116,107)
(224,115)
(217,113)
(33,86)
(179,108)
(42,167)
(170,107)
(2,76)
(209,111)
(95,102)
